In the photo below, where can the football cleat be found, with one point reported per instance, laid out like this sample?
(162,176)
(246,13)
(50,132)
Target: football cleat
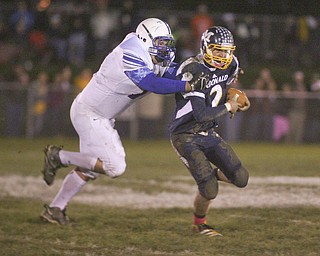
(52,163)
(205,229)
(55,215)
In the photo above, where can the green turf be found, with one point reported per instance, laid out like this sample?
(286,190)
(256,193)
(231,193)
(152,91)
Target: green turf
(123,231)
(149,159)
(119,231)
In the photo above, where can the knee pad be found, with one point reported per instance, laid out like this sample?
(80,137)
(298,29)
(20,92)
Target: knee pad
(114,170)
(241,177)
(209,188)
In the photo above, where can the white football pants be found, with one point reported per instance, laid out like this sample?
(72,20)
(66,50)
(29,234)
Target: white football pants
(98,138)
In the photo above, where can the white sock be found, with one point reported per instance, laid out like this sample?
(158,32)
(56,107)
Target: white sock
(71,185)
(78,159)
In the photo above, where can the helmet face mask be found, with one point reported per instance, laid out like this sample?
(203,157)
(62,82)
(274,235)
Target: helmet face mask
(217,47)
(157,37)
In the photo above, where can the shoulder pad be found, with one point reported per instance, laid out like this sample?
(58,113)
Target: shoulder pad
(185,64)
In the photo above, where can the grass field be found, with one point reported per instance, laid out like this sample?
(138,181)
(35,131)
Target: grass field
(104,228)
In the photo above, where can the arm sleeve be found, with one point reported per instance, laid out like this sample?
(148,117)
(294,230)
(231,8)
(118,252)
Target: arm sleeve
(202,112)
(148,81)
(171,71)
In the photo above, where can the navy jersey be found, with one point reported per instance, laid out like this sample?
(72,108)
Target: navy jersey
(198,110)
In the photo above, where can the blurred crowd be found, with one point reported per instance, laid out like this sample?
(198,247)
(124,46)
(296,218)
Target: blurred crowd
(78,32)
(72,32)
(281,112)
(49,51)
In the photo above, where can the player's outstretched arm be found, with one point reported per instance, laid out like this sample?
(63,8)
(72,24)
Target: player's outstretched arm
(160,85)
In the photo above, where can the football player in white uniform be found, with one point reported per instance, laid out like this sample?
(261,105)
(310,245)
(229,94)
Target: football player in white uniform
(141,63)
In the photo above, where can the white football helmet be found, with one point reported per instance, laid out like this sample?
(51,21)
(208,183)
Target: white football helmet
(158,39)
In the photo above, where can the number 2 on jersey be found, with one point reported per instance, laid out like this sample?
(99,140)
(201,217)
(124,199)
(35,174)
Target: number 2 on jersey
(218,90)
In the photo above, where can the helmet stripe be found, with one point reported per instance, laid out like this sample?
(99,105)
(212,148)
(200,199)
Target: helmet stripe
(149,34)
(168,27)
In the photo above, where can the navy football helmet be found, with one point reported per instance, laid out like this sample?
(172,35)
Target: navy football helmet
(217,47)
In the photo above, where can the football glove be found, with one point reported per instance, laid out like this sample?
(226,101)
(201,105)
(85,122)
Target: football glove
(199,81)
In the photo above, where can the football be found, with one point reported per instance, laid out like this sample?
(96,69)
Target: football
(239,95)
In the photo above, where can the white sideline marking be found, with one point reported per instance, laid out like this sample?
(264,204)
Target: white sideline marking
(260,192)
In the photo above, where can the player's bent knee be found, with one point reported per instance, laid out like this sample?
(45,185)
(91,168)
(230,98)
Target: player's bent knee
(209,189)
(115,170)
(241,177)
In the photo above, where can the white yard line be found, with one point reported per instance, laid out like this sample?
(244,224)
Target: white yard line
(261,192)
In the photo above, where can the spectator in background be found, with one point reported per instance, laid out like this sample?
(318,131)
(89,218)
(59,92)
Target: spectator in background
(67,88)
(199,23)
(185,47)
(281,107)
(315,83)
(22,21)
(15,107)
(38,37)
(297,113)
(82,79)
(77,43)
(182,36)
(55,111)
(37,104)
(261,114)
(247,35)
(291,41)
(8,50)
(303,35)
(102,23)
(297,39)
(313,113)
(314,34)
(78,38)
(39,46)
(128,18)
(58,34)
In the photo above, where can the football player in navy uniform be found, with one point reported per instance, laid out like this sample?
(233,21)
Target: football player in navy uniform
(192,131)
(140,64)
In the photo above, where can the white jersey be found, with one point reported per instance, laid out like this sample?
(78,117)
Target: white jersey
(110,91)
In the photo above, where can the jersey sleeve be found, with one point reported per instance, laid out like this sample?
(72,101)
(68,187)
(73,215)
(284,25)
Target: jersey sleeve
(139,73)
(171,72)
(158,85)
(202,112)
(132,62)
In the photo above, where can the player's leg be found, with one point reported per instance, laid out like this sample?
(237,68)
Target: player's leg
(201,208)
(76,179)
(187,146)
(56,211)
(230,168)
(101,150)
(99,139)
(55,158)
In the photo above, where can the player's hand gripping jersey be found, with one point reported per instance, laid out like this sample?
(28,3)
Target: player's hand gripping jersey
(198,110)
